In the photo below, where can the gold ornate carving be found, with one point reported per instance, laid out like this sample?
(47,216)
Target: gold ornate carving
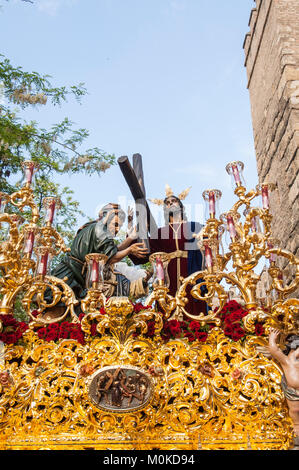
(218,391)
(213,394)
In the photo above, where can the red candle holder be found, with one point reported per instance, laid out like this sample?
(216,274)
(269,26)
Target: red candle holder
(235,169)
(272,243)
(229,219)
(44,258)
(208,257)
(160,262)
(95,270)
(265,189)
(29,238)
(265,196)
(29,169)
(211,196)
(160,270)
(51,205)
(255,221)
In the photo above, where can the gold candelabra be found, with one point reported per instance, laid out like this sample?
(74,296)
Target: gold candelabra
(250,240)
(26,252)
(28,247)
(219,392)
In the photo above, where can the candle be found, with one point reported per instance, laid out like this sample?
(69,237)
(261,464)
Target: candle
(208,256)
(272,255)
(42,269)
(29,172)
(29,243)
(212,204)
(236,174)
(231,227)
(265,197)
(95,271)
(159,270)
(50,212)
(254,224)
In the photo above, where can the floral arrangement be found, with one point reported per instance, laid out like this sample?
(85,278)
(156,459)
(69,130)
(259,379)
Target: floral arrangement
(231,316)
(173,329)
(63,330)
(12,329)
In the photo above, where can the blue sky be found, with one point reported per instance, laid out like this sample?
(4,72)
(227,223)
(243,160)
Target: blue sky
(165,78)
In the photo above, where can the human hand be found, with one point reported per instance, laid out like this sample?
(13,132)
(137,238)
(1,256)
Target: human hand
(132,233)
(139,250)
(273,335)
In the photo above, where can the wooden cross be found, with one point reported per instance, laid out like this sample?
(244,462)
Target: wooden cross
(145,221)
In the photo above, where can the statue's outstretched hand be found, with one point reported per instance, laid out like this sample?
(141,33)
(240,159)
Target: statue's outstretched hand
(139,250)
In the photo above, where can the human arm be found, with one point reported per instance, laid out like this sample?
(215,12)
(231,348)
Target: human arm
(136,249)
(275,351)
(127,241)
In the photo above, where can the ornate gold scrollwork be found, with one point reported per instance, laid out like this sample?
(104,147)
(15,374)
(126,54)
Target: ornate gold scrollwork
(168,394)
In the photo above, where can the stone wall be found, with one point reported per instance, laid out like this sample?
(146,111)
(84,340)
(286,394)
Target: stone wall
(272,61)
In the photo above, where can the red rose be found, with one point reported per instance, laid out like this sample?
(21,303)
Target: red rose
(190,336)
(51,335)
(8,320)
(183,325)
(63,334)
(227,320)
(228,330)
(174,327)
(223,310)
(235,316)
(151,329)
(238,333)
(139,307)
(23,326)
(232,305)
(201,336)
(77,335)
(42,333)
(53,326)
(81,316)
(194,325)
(9,338)
(93,329)
(65,326)
(259,329)
(102,311)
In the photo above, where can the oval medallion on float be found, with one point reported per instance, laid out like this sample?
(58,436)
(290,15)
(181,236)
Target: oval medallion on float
(120,388)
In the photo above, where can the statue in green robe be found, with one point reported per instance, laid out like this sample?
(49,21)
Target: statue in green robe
(94,237)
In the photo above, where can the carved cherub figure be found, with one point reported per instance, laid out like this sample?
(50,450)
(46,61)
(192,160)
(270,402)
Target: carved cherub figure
(143,388)
(6,380)
(289,361)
